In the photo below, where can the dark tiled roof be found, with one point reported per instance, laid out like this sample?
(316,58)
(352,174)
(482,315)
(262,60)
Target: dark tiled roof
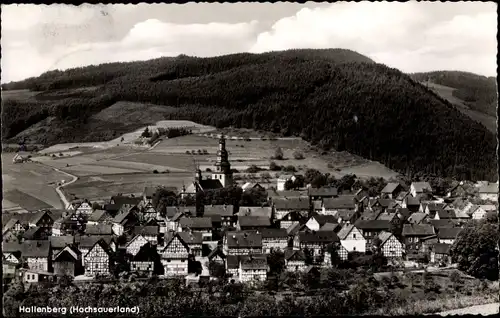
(113,208)
(99,229)
(390,187)
(448,233)
(60,242)
(417,217)
(295,228)
(244,240)
(147,253)
(196,223)
(345,215)
(255,211)
(273,233)
(384,236)
(220,210)
(417,230)
(291,204)
(323,192)
(32,248)
(124,200)
(89,241)
(210,184)
(11,247)
(341,202)
(9,225)
(249,221)
(491,188)
(387,203)
(323,219)
(405,213)
(318,237)
(147,230)
(401,196)
(67,253)
(443,223)
(233,261)
(412,201)
(373,224)
(217,251)
(446,214)
(37,216)
(420,186)
(31,233)
(288,194)
(99,216)
(330,227)
(295,255)
(441,248)
(149,192)
(121,217)
(191,237)
(254,262)
(342,234)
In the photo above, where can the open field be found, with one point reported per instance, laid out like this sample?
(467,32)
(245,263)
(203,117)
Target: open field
(490,122)
(20,94)
(30,185)
(104,186)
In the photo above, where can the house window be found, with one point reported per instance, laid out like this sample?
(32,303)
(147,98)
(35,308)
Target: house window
(354,236)
(96,266)
(354,248)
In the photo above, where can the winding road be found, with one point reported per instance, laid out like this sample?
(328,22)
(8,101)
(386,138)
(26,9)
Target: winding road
(59,191)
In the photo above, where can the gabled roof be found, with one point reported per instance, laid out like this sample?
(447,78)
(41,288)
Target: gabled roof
(178,216)
(112,207)
(387,203)
(250,185)
(491,188)
(121,200)
(60,242)
(99,229)
(441,248)
(448,232)
(104,245)
(171,211)
(37,216)
(191,237)
(412,201)
(209,184)
(417,217)
(273,233)
(295,228)
(421,186)
(386,216)
(148,230)
(146,253)
(330,227)
(295,255)
(32,248)
(488,207)
(87,242)
(446,214)
(265,211)
(443,223)
(323,219)
(369,215)
(404,212)
(341,202)
(384,236)
(11,247)
(402,195)
(390,188)
(220,210)
(217,251)
(233,261)
(253,261)
(417,230)
(9,225)
(31,233)
(345,215)
(99,216)
(373,224)
(121,217)
(288,194)
(323,192)
(244,240)
(67,253)
(196,223)
(318,237)
(346,229)
(291,204)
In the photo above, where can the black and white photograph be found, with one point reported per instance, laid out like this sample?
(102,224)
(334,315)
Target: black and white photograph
(249,159)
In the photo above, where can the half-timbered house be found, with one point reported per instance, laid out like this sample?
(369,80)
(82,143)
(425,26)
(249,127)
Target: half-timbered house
(390,246)
(98,259)
(135,244)
(174,255)
(253,268)
(242,243)
(146,260)
(295,260)
(38,255)
(67,262)
(273,240)
(352,239)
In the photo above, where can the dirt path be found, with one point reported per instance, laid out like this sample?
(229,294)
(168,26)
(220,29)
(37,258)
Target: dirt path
(488,309)
(58,189)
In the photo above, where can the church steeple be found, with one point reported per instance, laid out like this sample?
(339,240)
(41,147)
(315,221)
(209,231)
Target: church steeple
(222,166)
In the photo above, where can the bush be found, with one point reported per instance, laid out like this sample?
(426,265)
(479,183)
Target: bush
(208,170)
(298,155)
(253,169)
(289,168)
(155,171)
(278,154)
(188,152)
(274,167)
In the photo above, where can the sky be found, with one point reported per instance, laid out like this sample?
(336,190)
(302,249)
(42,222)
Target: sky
(411,36)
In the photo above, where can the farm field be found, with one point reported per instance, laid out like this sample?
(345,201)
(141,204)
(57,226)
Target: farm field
(105,186)
(29,185)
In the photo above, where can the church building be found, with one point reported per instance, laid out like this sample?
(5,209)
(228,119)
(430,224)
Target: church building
(222,177)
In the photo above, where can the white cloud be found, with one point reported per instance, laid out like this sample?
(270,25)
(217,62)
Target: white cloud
(401,35)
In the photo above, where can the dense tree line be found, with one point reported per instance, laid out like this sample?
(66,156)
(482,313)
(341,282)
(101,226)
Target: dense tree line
(333,101)
(478,92)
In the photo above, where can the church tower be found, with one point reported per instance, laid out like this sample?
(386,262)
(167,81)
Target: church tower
(222,166)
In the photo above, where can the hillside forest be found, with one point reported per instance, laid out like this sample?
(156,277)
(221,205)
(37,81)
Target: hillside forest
(336,99)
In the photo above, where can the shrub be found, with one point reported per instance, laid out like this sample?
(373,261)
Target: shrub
(208,170)
(289,168)
(155,171)
(298,155)
(278,154)
(274,167)
(188,152)
(253,169)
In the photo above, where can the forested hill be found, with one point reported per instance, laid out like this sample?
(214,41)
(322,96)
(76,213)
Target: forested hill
(337,99)
(478,92)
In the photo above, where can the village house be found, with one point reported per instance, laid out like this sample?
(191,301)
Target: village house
(390,246)
(12,251)
(322,193)
(121,200)
(253,268)
(441,253)
(252,223)
(315,242)
(343,202)
(382,205)
(30,276)
(67,262)
(391,190)
(413,233)
(352,239)
(346,216)
(124,220)
(292,218)
(411,203)
(262,211)
(198,224)
(97,260)
(280,185)
(242,243)
(147,195)
(418,188)
(84,208)
(273,240)
(173,223)
(341,251)
(489,192)
(194,241)
(448,235)
(295,260)
(372,228)
(233,266)
(401,197)
(221,215)
(146,260)
(98,217)
(135,244)
(317,221)
(35,233)
(99,229)
(38,255)
(285,206)
(42,219)
(317,206)
(251,186)
(58,243)
(174,255)
(427,243)
(418,218)
(480,211)
(217,255)
(11,229)
(148,212)
(457,190)
(149,232)
(85,243)
(403,214)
